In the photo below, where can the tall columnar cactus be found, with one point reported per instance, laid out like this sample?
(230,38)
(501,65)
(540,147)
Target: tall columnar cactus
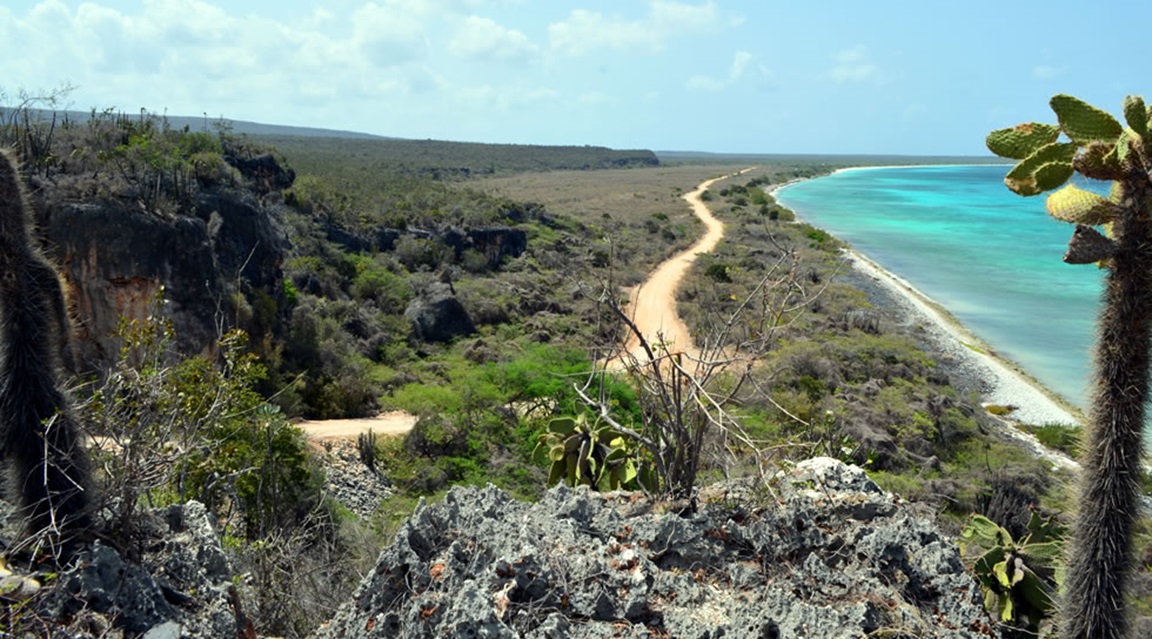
(47,469)
(1098,146)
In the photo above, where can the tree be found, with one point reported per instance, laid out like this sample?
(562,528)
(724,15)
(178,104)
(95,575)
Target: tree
(1097,146)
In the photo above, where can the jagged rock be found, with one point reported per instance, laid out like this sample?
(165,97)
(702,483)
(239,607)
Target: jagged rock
(350,482)
(817,552)
(438,316)
(263,171)
(178,588)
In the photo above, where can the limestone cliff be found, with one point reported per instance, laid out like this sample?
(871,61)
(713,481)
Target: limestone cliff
(213,265)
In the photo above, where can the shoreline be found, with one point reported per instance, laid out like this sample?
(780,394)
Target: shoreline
(998,380)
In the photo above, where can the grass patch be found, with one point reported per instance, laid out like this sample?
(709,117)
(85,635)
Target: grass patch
(1061,437)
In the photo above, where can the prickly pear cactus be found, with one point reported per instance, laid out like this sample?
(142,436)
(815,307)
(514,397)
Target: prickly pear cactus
(1091,142)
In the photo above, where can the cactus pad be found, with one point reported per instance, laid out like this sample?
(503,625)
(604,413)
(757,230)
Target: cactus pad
(1078,206)
(1136,115)
(1098,161)
(1082,122)
(1047,168)
(1020,141)
(1088,246)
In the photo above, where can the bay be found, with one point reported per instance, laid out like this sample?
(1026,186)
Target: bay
(990,257)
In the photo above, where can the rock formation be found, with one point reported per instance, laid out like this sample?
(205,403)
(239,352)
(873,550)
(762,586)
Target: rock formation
(438,316)
(818,552)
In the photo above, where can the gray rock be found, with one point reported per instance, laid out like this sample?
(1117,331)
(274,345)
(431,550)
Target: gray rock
(166,630)
(437,316)
(178,588)
(820,552)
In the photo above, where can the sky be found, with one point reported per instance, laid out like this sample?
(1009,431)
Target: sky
(911,77)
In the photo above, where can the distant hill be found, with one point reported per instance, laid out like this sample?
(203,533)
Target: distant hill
(442,160)
(202,123)
(698,157)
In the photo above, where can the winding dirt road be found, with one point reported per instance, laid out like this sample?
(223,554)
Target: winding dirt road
(652,304)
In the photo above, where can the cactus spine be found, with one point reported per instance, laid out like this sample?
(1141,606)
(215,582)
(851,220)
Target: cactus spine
(1100,555)
(48,472)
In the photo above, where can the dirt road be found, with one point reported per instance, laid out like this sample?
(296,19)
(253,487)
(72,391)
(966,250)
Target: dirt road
(653,303)
(393,423)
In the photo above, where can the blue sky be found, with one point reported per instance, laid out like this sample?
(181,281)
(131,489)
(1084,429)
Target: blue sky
(757,76)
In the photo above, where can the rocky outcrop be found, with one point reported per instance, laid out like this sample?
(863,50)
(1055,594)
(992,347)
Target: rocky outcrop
(820,551)
(181,587)
(495,243)
(116,258)
(438,316)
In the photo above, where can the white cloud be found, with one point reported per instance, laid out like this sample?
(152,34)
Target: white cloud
(584,32)
(744,67)
(855,65)
(389,34)
(505,97)
(483,38)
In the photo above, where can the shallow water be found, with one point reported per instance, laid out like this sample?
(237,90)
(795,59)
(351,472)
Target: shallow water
(989,256)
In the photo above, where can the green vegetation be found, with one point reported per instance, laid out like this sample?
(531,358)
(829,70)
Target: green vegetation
(596,455)
(1099,147)
(1019,577)
(816,366)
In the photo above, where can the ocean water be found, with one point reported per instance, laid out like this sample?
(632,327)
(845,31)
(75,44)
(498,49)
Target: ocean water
(989,256)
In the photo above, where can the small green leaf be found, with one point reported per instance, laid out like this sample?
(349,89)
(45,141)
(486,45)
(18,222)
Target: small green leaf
(1001,572)
(562,425)
(1078,206)
(985,532)
(1020,141)
(1007,610)
(1136,115)
(556,473)
(1043,555)
(1033,591)
(1082,122)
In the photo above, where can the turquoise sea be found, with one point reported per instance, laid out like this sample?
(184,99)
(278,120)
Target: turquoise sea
(989,256)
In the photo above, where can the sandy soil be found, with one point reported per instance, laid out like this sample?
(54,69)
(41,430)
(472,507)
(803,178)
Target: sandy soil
(653,303)
(393,423)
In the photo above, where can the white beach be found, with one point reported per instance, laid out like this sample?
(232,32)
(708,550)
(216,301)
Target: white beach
(1000,382)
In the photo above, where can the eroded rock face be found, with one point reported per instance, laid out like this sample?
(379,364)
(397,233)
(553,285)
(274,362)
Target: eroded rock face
(820,552)
(115,259)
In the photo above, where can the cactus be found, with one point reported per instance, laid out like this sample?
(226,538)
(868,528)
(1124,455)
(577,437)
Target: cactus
(1018,578)
(1100,559)
(48,472)
(594,455)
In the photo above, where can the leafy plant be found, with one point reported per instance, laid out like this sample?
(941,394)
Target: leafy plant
(1019,578)
(592,454)
(1091,142)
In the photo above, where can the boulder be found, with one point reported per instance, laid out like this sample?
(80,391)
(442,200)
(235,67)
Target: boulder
(438,316)
(817,552)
